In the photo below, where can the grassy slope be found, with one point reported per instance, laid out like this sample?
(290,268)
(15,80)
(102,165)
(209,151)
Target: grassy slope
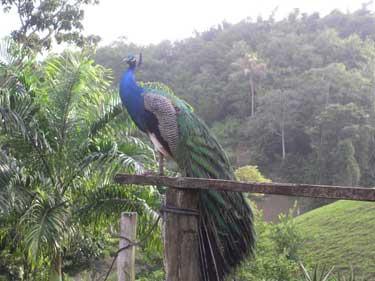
(341,234)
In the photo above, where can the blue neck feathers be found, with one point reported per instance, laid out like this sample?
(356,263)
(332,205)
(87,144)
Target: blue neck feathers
(131,97)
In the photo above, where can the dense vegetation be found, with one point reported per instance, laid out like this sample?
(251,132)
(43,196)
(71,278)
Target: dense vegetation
(63,137)
(295,97)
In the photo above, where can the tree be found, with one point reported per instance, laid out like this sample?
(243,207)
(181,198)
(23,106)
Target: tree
(60,147)
(42,21)
(338,123)
(277,115)
(348,171)
(253,68)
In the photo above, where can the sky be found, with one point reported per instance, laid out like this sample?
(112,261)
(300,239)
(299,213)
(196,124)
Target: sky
(152,21)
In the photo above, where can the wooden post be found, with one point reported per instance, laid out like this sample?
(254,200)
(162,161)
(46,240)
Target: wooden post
(181,248)
(126,258)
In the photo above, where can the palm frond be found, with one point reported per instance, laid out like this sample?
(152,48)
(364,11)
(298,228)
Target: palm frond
(103,121)
(105,157)
(15,64)
(111,118)
(45,226)
(63,79)
(11,119)
(104,204)
(22,136)
(6,55)
(15,191)
(74,90)
(19,118)
(127,157)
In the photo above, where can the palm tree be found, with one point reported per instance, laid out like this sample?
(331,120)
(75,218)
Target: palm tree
(253,68)
(63,136)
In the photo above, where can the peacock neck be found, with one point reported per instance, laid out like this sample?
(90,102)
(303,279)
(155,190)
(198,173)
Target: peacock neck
(128,85)
(131,97)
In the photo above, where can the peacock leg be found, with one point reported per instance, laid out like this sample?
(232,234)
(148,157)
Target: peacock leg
(161,164)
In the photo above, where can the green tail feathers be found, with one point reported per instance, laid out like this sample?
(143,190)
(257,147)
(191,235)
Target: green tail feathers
(226,232)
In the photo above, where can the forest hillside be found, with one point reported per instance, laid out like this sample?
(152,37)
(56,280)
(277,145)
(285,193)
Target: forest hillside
(295,96)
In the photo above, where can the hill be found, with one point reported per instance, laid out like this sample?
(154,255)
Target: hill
(341,234)
(292,96)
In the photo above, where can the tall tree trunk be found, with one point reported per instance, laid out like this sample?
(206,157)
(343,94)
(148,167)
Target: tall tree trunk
(282,126)
(321,165)
(56,269)
(320,148)
(283,140)
(252,96)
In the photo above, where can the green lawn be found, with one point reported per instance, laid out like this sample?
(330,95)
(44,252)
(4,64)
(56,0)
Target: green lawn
(341,234)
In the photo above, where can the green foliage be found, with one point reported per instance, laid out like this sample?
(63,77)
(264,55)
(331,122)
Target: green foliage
(277,251)
(150,268)
(62,140)
(287,237)
(348,171)
(154,276)
(82,251)
(43,21)
(250,173)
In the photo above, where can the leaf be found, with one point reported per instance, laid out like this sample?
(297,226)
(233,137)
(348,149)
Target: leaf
(45,226)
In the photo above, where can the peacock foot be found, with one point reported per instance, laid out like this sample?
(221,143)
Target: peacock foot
(147,173)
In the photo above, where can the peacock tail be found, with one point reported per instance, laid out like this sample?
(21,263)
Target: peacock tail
(226,233)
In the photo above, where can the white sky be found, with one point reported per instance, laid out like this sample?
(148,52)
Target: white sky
(151,21)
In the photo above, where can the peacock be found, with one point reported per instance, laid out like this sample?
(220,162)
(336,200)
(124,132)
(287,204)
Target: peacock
(226,232)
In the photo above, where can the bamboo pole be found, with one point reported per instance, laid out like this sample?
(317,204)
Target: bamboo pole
(126,257)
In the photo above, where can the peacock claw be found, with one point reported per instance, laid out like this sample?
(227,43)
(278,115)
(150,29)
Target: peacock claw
(148,173)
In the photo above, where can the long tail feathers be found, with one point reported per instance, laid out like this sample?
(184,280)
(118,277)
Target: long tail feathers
(226,232)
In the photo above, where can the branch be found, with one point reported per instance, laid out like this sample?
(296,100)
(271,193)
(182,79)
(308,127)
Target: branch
(23,26)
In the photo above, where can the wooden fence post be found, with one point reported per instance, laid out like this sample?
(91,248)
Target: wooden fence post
(126,258)
(181,248)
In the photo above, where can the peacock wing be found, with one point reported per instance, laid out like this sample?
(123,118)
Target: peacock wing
(162,120)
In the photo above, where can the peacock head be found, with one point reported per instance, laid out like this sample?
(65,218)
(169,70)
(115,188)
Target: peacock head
(132,61)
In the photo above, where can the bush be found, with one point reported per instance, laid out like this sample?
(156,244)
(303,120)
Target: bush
(276,253)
